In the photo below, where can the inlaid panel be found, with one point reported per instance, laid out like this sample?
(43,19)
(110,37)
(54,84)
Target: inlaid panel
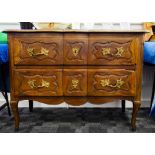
(38,50)
(75,49)
(75,66)
(75,82)
(112,50)
(113,82)
(40,82)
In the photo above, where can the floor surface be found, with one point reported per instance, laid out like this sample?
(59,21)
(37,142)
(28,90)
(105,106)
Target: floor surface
(77,120)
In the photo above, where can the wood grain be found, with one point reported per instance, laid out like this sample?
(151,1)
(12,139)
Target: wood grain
(78,68)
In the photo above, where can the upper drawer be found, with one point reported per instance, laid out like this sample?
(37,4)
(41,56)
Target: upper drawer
(112,49)
(75,48)
(38,49)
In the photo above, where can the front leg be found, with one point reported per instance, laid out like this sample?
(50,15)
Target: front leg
(14,107)
(136,106)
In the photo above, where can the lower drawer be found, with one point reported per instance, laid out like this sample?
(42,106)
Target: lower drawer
(111,82)
(38,82)
(75,82)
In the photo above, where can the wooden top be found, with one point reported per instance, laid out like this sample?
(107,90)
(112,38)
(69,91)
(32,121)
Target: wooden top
(75,30)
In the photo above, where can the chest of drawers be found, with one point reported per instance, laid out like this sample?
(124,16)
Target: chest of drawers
(75,67)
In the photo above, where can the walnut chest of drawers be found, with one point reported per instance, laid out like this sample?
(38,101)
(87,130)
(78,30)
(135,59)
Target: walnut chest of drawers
(75,67)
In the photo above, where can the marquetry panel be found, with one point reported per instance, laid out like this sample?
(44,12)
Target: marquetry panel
(30,82)
(113,50)
(113,82)
(36,50)
(75,49)
(75,82)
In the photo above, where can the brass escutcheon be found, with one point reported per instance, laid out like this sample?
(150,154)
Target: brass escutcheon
(75,83)
(75,51)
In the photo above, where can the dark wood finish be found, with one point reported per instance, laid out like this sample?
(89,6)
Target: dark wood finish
(123,105)
(88,73)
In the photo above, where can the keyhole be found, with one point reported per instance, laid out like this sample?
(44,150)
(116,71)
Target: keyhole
(75,51)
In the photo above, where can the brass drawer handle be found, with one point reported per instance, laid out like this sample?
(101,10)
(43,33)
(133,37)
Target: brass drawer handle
(43,51)
(120,51)
(75,51)
(106,51)
(33,85)
(75,83)
(106,82)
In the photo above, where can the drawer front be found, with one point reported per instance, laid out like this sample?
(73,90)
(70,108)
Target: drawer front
(75,49)
(75,82)
(30,82)
(112,50)
(114,82)
(38,49)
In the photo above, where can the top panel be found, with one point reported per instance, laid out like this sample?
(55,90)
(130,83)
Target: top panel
(78,30)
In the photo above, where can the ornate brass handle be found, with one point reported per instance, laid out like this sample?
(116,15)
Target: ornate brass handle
(43,51)
(120,51)
(106,82)
(75,51)
(75,83)
(106,51)
(33,85)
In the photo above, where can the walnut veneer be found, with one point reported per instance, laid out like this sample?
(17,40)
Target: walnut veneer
(75,67)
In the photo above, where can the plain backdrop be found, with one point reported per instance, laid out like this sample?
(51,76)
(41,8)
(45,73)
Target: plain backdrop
(77,11)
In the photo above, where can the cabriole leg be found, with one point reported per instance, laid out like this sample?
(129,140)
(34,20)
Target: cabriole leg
(14,107)
(136,106)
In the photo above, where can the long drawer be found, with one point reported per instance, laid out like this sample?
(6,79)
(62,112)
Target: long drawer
(75,82)
(74,49)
